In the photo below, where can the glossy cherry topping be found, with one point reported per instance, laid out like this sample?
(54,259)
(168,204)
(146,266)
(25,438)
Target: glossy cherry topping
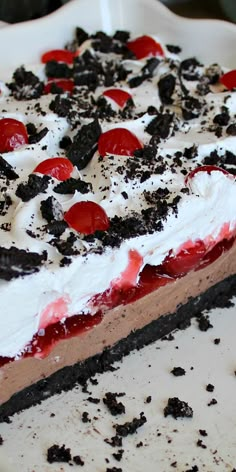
(119,96)
(58,55)
(13,134)
(177,265)
(67,85)
(208,169)
(58,167)
(145,46)
(229,79)
(118,141)
(87,217)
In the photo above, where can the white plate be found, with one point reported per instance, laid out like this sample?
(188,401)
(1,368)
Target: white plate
(146,372)
(210,40)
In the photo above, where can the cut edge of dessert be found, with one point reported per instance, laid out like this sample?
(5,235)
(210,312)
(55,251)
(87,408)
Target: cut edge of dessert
(128,314)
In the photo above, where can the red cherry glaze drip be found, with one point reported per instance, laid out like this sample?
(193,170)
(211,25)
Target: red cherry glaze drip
(151,278)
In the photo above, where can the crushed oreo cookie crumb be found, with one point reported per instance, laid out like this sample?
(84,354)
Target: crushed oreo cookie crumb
(35,185)
(18,262)
(57,453)
(115,407)
(178,371)
(130,427)
(178,408)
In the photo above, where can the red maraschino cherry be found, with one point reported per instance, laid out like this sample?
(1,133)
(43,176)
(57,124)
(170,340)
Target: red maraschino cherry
(87,217)
(208,169)
(119,96)
(13,134)
(58,167)
(67,85)
(145,46)
(58,55)
(229,79)
(118,141)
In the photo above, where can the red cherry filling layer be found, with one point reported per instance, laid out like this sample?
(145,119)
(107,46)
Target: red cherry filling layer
(151,278)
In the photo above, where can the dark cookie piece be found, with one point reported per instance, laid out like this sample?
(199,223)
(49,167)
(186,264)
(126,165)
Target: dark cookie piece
(61,106)
(78,461)
(191,108)
(57,453)
(34,186)
(81,35)
(166,87)
(115,407)
(178,371)
(35,138)
(84,145)
(72,185)
(113,469)
(130,427)
(160,126)
(51,209)
(18,262)
(173,49)
(25,85)
(231,130)
(203,322)
(178,409)
(146,72)
(56,228)
(7,170)
(58,70)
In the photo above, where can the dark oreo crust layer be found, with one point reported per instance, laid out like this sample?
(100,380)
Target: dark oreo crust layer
(66,378)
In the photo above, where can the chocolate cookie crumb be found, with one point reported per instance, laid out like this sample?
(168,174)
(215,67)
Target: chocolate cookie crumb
(217,341)
(85,417)
(115,407)
(113,469)
(58,454)
(140,444)
(1,440)
(210,388)
(203,322)
(118,455)
(78,461)
(178,371)
(115,441)
(148,399)
(178,408)
(212,402)
(203,432)
(130,427)
(201,444)
(35,185)
(93,400)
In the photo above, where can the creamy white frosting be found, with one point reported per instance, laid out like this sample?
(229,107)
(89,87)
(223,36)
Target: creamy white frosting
(201,214)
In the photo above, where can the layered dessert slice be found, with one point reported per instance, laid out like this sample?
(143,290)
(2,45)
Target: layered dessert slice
(117,213)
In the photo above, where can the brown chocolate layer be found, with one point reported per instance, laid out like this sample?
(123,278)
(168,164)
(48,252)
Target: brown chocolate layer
(116,325)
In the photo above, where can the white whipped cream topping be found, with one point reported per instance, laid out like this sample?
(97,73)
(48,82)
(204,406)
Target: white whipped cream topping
(200,214)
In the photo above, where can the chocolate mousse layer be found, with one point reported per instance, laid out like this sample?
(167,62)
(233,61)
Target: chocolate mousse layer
(25,382)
